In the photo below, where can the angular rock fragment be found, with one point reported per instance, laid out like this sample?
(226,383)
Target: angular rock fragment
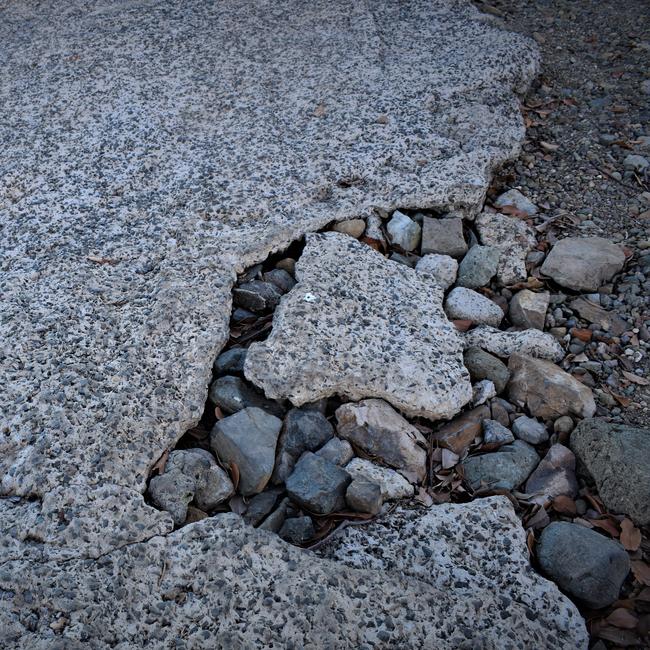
(584,563)
(506,468)
(232,394)
(606,320)
(230,361)
(460,433)
(443,236)
(403,231)
(483,391)
(375,330)
(494,433)
(318,485)
(483,365)
(532,343)
(261,505)
(546,390)
(583,263)
(248,439)
(465,304)
(515,199)
(353,227)
(442,267)
(617,456)
(513,238)
(190,474)
(376,428)
(257,296)
(337,451)
(393,485)
(478,266)
(554,476)
(364,496)
(273,523)
(281,278)
(297,530)
(528,309)
(530,430)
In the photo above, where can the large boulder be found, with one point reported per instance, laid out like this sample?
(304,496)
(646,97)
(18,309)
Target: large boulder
(583,263)
(617,456)
(546,390)
(584,563)
(377,429)
(361,326)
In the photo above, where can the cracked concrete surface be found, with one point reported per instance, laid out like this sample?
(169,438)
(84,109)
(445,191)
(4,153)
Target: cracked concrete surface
(152,150)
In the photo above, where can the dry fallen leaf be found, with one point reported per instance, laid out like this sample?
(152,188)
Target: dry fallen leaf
(622,617)
(234,474)
(159,467)
(100,260)
(635,379)
(564,505)
(513,211)
(641,572)
(606,525)
(630,536)
(449,459)
(462,325)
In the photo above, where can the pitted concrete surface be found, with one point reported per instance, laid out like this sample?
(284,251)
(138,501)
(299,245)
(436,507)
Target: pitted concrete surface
(151,150)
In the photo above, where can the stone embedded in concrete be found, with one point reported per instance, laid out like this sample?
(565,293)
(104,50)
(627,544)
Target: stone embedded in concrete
(248,439)
(359,326)
(443,237)
(318,485)
(528,309)
(257,295)
(584,563)
(403,231)
(478,266)
(513,238)
(547,391)
(379,431)
(583,263)
(442,267)
(506,468)
(617,457)
(393,484)
(533,343)
(353,227)
(465,304)
(230,361)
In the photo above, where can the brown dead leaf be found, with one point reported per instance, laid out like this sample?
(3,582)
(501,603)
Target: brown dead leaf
(424,498)
(564,505)
(635,379)
(623,618)
(547,146)
(622,638)
(373,243)
(530,542)
(621,399)
(218,413)
(641,571)
(234,474)
(159,467)
(630,535)
(513,211)
(606,525)
(462,325)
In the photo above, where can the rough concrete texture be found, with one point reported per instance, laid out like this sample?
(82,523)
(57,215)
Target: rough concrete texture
(359,325)
(220,584)
(532,342)
(151,151)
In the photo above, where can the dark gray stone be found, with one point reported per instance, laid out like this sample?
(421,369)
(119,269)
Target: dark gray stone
(318,485)
(364,496)
(257,296)
(281,279)
(230,361)
(261,505)
(443,236)
(530,430)
(478,267)
(494,433)
(483,365)
(584,563)
(297,530)
(617,456)
(248,439)
(232,394)
(506,468)
(274,521)
(337,451)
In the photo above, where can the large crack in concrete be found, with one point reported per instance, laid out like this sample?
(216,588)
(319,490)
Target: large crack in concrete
(151,152)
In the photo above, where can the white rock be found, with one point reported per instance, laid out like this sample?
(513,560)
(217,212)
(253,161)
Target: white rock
(393,484)
(513,238)
(515,199)
(443,268)
(483,391)
(403,231)
(466,304)
(532,343)
(362,304)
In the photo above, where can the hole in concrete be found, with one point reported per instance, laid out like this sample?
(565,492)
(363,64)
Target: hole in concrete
(203,481)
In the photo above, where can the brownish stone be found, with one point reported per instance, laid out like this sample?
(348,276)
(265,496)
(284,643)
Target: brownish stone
(459,433)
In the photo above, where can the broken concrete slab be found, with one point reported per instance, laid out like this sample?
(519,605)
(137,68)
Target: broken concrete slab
(375,330)
(532,343)
(513,238)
